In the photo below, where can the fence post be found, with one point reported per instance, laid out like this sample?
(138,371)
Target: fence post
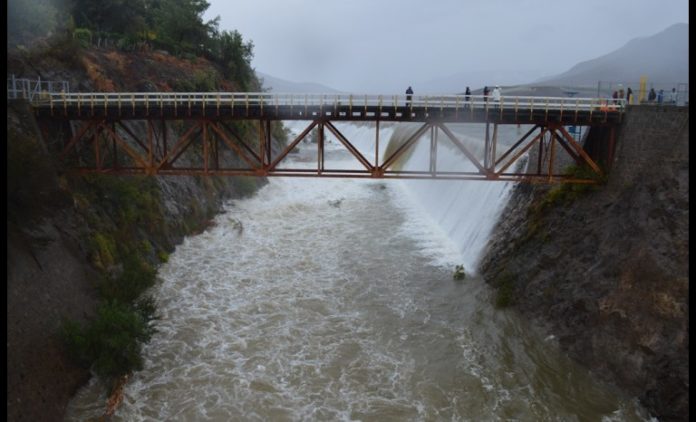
(37,90)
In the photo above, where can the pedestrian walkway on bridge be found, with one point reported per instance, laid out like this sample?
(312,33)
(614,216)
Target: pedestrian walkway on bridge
(97,138)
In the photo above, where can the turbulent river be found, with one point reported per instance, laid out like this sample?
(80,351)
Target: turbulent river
(333,299)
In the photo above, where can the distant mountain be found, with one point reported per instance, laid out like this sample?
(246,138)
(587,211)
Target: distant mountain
(663,58)
(278,85)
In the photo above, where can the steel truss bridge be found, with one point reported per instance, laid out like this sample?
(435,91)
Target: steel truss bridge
(96,136)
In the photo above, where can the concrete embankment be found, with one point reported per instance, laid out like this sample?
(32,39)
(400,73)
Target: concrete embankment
(606,271)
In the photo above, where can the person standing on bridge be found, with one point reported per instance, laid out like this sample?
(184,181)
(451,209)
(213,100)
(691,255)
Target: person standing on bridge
(409,94)
(629,95)
(652,95)
(496,94)
(485,93)
(467,94)
(660,96)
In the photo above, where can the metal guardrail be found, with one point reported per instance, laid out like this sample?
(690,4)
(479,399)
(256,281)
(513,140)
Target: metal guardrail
(262,99)
(31,88)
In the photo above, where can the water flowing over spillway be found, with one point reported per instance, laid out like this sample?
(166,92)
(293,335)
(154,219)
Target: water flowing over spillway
(464,211)
(333,299)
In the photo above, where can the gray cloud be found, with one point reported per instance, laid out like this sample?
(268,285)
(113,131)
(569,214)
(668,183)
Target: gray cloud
(384,46)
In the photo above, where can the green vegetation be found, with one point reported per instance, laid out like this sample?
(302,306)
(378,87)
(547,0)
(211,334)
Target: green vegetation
(163,256)
(134,199)
(127,236)
(279,132)
(202,81)
(125,219)
(104,250)
(110,344)
(136,277)
(176,26)
(459,273)
(83,36)
(567,192)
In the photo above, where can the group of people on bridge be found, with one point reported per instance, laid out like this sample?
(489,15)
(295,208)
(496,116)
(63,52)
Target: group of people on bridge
(495,94)
(659,97)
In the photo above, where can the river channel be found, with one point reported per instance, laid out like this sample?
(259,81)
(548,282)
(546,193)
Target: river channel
(333,300)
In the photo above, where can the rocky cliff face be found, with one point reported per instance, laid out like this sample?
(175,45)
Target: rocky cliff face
(607,270)
(53,261)
(62,229)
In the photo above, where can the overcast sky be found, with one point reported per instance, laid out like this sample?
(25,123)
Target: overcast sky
(382,46)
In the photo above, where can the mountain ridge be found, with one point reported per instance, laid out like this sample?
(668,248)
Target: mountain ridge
(662,58)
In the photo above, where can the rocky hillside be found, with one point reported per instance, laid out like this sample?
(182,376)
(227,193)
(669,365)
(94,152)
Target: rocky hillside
(606,270)
(75,241)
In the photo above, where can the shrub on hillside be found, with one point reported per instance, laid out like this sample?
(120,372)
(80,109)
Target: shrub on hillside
(110,344)
(136,277)
(83,36)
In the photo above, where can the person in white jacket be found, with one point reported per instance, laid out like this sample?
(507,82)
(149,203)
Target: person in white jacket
(496,94)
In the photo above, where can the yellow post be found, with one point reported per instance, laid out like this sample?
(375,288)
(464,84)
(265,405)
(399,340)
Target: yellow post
(642,89)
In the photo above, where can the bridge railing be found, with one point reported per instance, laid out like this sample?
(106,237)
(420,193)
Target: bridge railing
(353,102)
(32,88)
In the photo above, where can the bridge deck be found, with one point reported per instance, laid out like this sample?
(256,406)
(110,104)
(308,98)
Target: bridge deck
(96,138)
(254,106)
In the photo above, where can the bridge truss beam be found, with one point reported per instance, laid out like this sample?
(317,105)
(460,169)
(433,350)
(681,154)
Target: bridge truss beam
(107,145)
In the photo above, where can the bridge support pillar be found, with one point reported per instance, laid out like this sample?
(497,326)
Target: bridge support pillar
(600,144)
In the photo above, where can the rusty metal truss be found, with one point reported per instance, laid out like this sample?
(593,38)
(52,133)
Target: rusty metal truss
(108,145)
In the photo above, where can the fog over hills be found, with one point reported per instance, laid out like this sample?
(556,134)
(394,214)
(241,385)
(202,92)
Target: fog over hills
(663,58)
(278,85)
(458,82)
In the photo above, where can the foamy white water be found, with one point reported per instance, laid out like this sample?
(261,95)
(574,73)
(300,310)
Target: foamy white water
(334,302)
(465,211)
